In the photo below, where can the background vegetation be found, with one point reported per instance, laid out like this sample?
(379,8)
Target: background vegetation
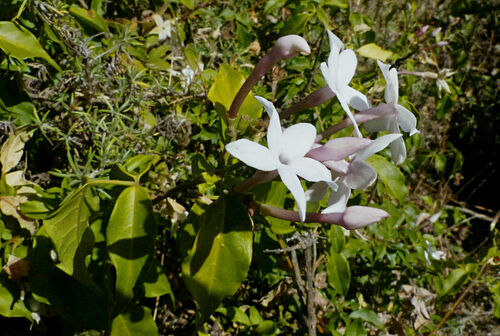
(103,124)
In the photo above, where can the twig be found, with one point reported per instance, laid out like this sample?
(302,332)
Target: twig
(311,311)
(470,212)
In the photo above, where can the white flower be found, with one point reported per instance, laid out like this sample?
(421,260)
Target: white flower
(163,28)
(401,118)
(437,255)
(355,174)
(286,153)
(188,74)
(338,74)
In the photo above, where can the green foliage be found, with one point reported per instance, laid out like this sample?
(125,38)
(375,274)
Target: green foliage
(107,138)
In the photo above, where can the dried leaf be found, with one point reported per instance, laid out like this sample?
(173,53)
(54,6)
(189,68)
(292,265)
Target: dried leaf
(12,151)
(16,268)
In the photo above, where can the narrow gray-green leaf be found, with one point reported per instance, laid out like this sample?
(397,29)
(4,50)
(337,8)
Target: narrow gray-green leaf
(21,43)
(130,236)
(221,256)
(390,175)
(70,232)
(338,272)
(135,322)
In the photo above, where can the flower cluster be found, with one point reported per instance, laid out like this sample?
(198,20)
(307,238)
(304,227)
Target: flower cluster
(339,164)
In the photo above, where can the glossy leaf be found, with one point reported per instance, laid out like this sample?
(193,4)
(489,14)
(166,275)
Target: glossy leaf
(89,18)
(390,175)
(156,282)
(367,315)
(130,237)
(227,83)
(373,51)
(138,321)
(21,43)
(70,232)
(337,238)
(11,306)
(221,256)
(339,275)
(451,283)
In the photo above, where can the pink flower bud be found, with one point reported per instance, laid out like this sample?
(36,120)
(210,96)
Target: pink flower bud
(356,217)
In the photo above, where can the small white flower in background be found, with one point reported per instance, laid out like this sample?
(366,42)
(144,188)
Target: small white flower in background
(188,74)
(286,153)
(441,82)
(437,255)
(402,118)
(355,174)
(163,27)
(338,72)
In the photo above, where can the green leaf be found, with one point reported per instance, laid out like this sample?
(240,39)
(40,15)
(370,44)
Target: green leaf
(390,176)
(440,162)
(451,283)
(70,232)
(355,328)
(367,315)
(226,85)
(274,193)
(336,3)
(156,282)
(296,24)
(89,18)
(11,305)
(337,238)
(371,50)
(138,321)
(20,43)
(221,255)
(130,237)
(338,272)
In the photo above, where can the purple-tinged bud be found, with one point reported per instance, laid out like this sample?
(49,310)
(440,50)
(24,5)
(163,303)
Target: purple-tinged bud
(316,98)
(356,217)
(440,44)
(422,30)
(436,31)
(289,46)
(338,149)
(285,47)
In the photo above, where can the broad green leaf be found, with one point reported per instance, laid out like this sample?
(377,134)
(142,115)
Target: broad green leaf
(156,282)
(275,193)
(371,50)
(137,321)
(390,176)
(226,85)
(20,43)
(339,275)
(221,255)
(89,18)
(12,151)
(367,315)
(296,24)
(70,232)
(355,328)
(130,237)
(24,113)
(337,238)
(450,284)
(11,306)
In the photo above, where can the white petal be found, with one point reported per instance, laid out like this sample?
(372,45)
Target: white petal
(309,169)
(297,140)
(158,20)
(274,133)
(316,192)
(335,43)
(356,217)
(339,168)
(337,201)
(293,184)
(398,150)
(406,120)
(253,154)
(329,77)
(360,175)
(391,80)
(346,68)
(356,99)
(377,145)
(349,114)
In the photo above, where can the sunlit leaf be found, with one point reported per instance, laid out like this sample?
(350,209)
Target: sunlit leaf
(70,232)
(221,256)
(20,43)
(137,321)
(367,315)
(89,18)
(339,275)
(10,305)
(130,236)
(390,176)
(371,50)
(12,151)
